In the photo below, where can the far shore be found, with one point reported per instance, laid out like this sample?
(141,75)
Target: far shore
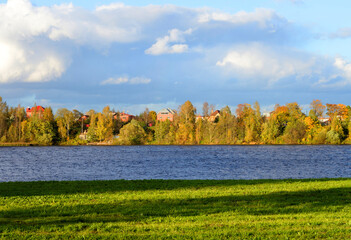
(23,144)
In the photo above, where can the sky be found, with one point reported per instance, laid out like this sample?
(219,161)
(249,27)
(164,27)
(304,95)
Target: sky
(156,54)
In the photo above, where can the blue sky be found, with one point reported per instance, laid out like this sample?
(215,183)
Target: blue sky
(136,54)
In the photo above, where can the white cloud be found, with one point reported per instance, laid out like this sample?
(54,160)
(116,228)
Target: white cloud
(18,62)
(164,46)
(33,39)
(341,64)
(258,61)
(268,66)
(122,80)
(110,7)
(260,16)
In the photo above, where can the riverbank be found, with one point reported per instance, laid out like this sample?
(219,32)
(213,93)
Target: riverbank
(159,209)
(17,144)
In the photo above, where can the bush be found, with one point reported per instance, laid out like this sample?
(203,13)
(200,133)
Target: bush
(294,132)
(333,137)
(132,134)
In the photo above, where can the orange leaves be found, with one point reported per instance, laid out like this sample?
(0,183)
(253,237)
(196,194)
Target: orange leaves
(337,110)
(317,107)
(310,122)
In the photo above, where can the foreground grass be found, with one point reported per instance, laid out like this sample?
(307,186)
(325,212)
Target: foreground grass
(157,209)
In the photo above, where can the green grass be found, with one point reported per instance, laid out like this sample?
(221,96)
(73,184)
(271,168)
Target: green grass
(159,209)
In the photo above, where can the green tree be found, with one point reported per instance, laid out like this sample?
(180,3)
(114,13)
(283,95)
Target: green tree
(64,119)
(37,130)
(294,132)
(16,116)
(270,132)
(108,123)
(91,134)
(336,133)
(163,132)
(224,131)
(153,117)
(3,120)
(132,134)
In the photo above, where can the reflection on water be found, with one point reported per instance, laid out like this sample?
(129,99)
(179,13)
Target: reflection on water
(173,162)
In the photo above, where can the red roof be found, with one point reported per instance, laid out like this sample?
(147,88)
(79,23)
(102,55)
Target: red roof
(39,109)
(215,113)
(126,114)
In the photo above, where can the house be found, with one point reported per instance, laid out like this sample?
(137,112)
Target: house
(165,114)
(198,117)
(324,121)
(37,110)
(84,117)
(125,117)
(214,115)
(83,135)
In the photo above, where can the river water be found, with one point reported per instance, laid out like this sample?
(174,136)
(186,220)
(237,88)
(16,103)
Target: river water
(173,162)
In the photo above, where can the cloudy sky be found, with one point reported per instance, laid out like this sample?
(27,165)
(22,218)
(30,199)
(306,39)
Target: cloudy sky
(136,54)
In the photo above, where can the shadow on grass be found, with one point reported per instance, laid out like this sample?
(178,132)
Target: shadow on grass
(331,200)
(11,189)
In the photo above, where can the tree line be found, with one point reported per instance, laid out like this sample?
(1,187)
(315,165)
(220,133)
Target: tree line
(287,124)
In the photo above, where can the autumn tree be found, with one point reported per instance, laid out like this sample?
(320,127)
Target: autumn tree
(294,111)
(249,122)
(3,119)
(16,116)
(108,123)
(186,131)
(317,107)
(337,110)
(225,132)
(65,119)
(101,128)
(153,117)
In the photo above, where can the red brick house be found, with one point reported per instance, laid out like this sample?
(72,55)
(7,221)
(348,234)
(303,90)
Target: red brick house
(39,110)
(165,114)
(124,117)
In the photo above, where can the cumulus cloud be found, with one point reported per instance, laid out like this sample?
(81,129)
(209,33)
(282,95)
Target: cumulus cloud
(164,45)
(268,65)
(33,39)
(19,62)
(259,61)
(122,80)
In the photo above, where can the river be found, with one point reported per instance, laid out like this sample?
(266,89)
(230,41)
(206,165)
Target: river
(174,162)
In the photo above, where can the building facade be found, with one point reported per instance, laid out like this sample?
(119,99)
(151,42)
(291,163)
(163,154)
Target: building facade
(165,114)
(38,110)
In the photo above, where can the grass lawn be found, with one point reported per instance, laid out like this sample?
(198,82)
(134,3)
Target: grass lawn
(158,209)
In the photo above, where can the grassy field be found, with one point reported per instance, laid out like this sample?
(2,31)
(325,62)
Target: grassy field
(158,209)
